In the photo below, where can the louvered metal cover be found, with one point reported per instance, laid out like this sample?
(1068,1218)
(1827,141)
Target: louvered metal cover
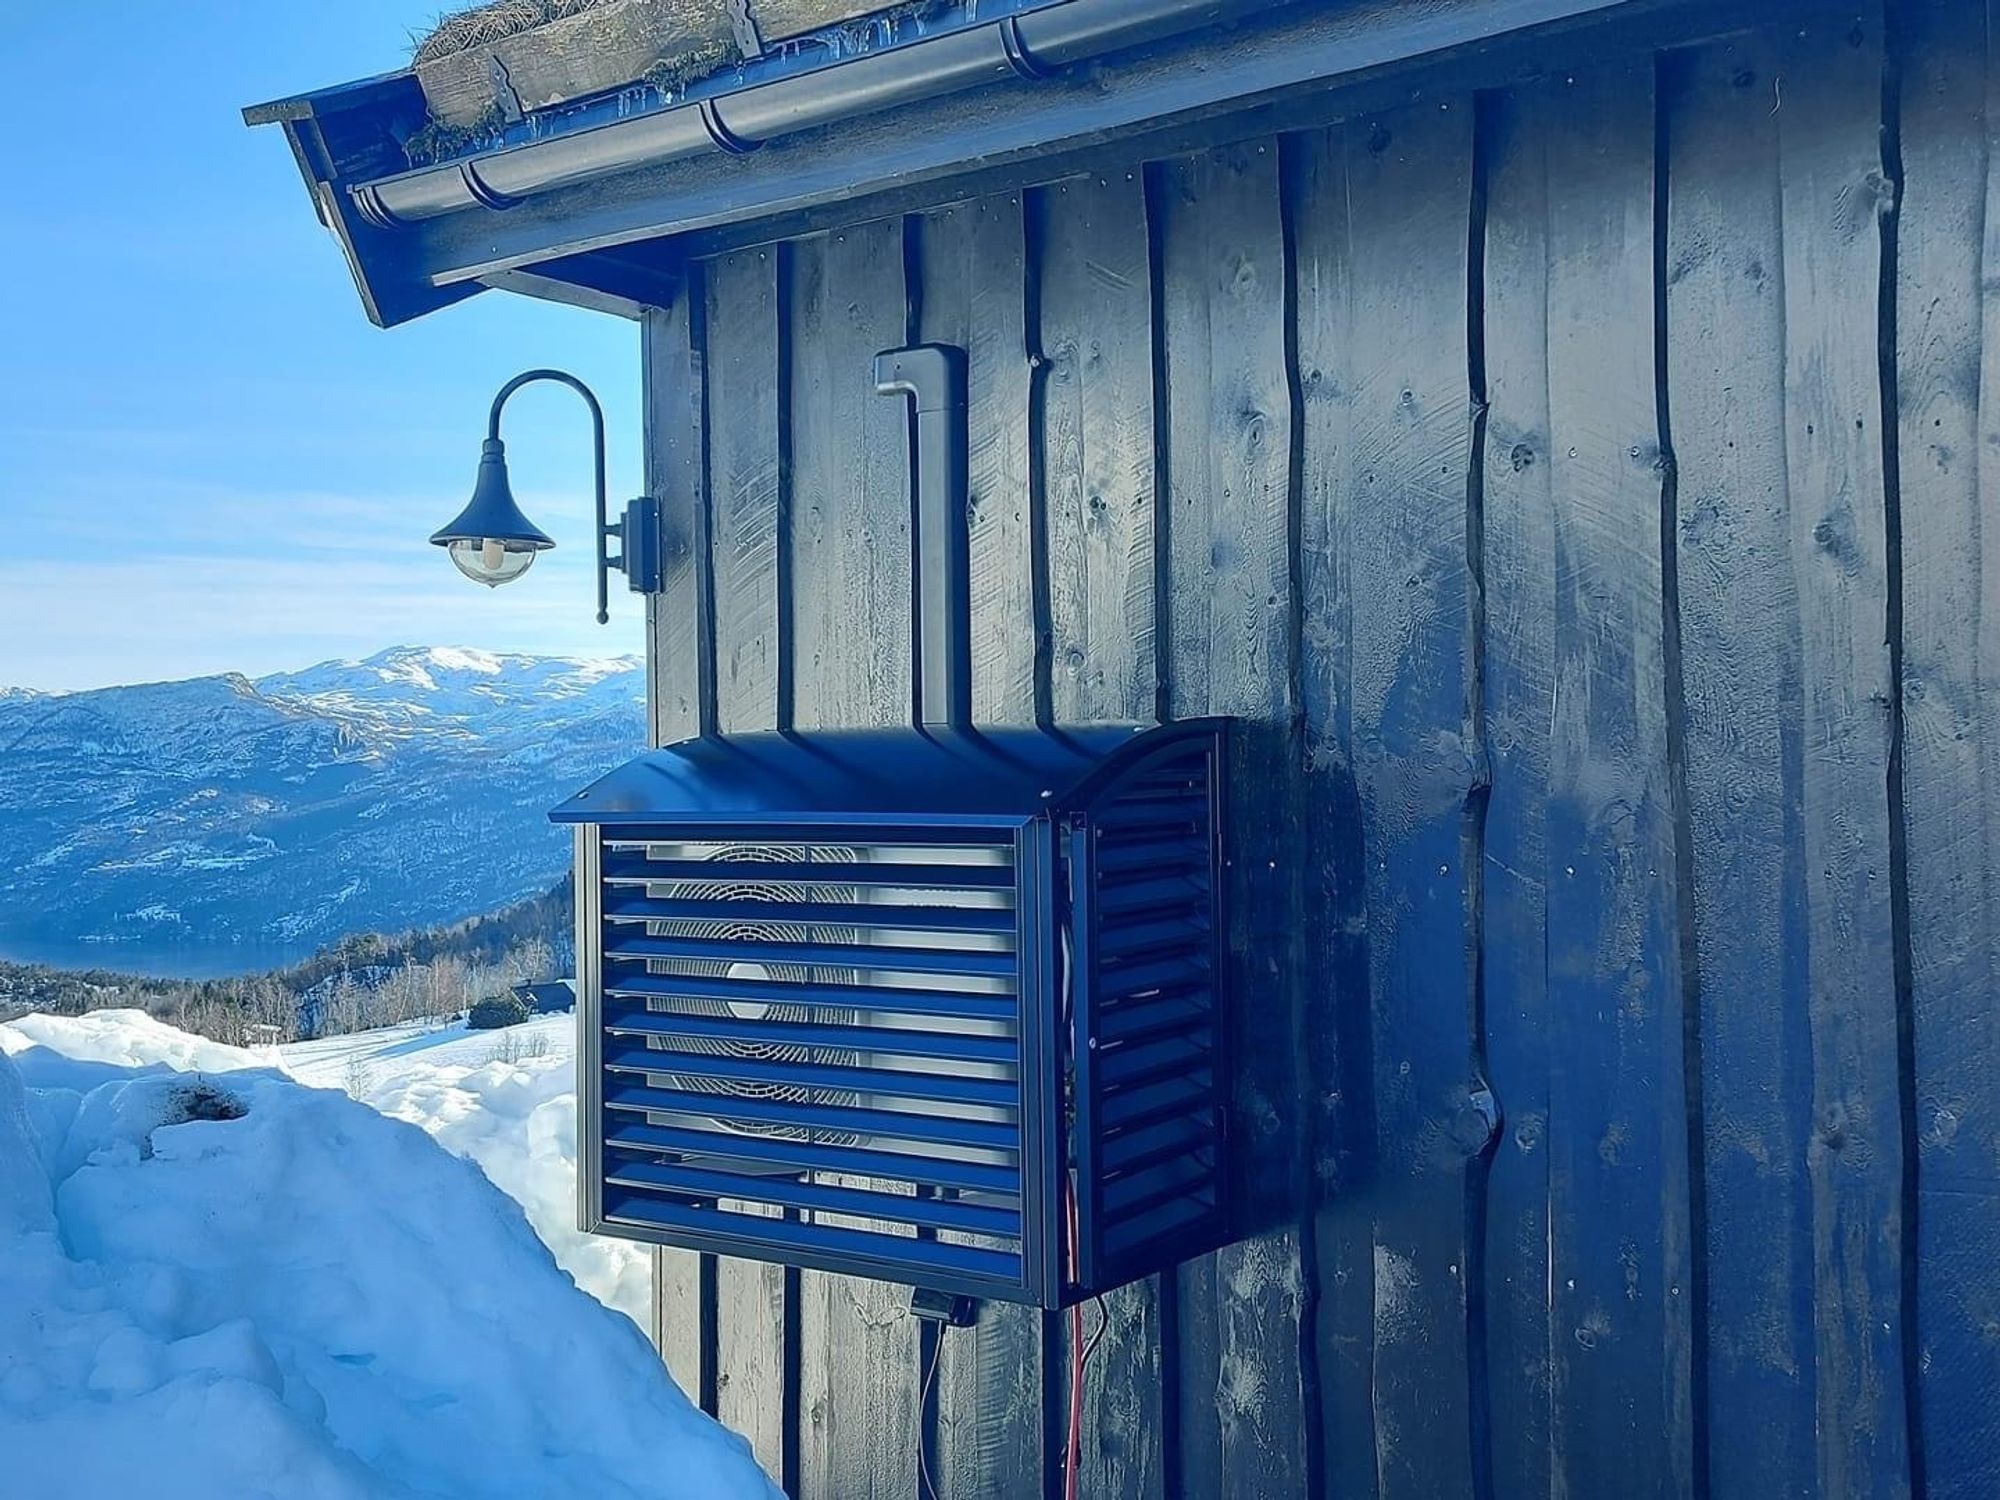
(896,1004)
(816,1046)
(1151,1068)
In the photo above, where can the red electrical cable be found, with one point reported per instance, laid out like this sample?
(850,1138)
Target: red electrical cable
(1073,1447)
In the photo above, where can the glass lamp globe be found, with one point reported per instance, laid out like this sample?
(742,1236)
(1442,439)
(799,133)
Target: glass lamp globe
(491,560)
(490,541)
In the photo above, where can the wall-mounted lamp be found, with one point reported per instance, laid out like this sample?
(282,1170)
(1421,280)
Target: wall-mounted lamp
(492,543)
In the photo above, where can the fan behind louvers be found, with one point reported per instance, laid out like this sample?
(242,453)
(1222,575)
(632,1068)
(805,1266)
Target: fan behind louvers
(748,905)
(766,964)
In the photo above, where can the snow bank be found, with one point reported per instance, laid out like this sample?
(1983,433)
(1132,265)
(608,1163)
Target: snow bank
(518,1121)
(128,1038)
(228,1283)
(507,1100)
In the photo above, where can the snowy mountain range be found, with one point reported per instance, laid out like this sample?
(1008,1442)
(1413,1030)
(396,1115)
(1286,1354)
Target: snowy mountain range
(284,812)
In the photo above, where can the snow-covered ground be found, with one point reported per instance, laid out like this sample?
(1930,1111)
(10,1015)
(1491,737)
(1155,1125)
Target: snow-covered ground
(226,1283)
(507,1099)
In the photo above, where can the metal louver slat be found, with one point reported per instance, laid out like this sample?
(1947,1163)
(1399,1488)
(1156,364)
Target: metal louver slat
(830,1247)
(815,955)
(939,1088)
(936,918)
(789,1192)
(924,1171)
(750,993)
(628,869)
(881,1040)
(811,1119)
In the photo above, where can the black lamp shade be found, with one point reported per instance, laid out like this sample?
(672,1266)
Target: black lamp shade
(491,514)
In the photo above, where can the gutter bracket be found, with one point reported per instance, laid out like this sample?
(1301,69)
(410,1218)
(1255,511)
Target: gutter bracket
(505,98)
(748,42)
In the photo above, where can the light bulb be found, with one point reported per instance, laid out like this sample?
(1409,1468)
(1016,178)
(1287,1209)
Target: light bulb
(491,560)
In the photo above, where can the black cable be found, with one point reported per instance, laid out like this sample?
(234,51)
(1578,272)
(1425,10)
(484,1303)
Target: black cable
(927,1485)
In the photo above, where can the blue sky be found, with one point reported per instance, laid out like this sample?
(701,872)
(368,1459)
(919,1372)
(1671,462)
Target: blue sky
(209,459)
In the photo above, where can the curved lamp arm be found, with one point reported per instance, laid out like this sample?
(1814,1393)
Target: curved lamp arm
(604,528)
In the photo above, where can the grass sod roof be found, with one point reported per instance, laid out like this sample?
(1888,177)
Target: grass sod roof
(487,65)
(483,25)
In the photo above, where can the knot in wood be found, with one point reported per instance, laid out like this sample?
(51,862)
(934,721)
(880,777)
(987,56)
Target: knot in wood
(1476,1123)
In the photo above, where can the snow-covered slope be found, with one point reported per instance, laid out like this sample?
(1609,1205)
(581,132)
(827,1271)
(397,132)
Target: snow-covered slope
(383,794)
(506,1099)
(228,1283)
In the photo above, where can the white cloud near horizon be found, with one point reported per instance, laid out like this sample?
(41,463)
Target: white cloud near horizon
(97,621)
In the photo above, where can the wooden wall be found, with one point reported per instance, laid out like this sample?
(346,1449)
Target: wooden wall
(1586,491)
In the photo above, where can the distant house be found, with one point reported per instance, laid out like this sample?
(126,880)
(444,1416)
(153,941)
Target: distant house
(1561,434)
(547,997)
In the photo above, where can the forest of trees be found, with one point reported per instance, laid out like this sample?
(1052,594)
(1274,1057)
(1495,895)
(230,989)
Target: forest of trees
(365,980)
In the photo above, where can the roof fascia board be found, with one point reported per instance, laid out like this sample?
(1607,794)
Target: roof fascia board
(334,134)
(339,97)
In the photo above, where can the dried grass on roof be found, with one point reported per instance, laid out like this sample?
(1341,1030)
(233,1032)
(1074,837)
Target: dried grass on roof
(483,25)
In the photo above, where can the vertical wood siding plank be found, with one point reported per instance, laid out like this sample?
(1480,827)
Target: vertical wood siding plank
(1618,1131)
(1344,1132)
(850,520)
(989,1377)
(677,1330)
(850,507)
(743,398)
(1948,379)
(973,296)
(1830,168)
(1745,759)
(1096,421)
(1391,351)
(1241,1396)
(743,402)
(672,376)
(672,400)
(1517,552)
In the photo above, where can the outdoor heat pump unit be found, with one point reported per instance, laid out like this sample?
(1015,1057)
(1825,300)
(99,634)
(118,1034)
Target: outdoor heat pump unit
(939,1005)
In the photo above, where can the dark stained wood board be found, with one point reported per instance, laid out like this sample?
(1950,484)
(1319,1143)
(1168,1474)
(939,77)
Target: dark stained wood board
(1621,1272)
(1229,646)
(1094,429)
(1948,381)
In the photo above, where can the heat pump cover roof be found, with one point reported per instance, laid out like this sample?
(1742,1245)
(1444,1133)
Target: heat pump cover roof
(1001,776)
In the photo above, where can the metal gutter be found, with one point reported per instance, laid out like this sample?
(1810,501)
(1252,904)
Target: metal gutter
(593,201)
(1025,45)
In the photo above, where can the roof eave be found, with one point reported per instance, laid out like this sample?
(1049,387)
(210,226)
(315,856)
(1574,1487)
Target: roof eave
(353,132)
(1030,84)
